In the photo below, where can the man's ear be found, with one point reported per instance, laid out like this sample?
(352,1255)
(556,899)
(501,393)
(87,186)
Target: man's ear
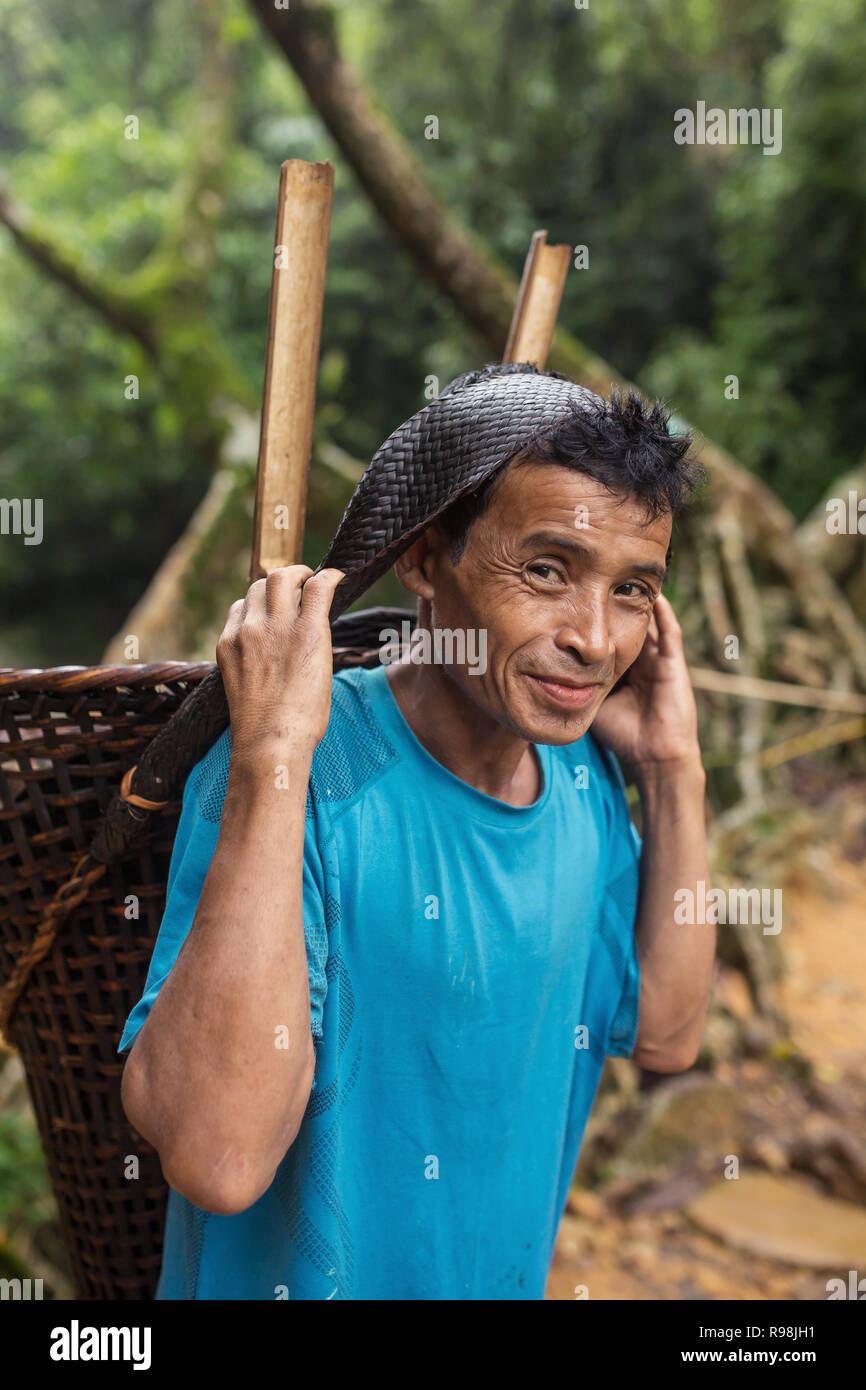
(414,568)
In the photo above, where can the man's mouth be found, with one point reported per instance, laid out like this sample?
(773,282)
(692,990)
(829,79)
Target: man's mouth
(565,692)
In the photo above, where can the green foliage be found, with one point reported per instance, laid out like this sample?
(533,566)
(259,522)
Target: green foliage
(29,1227)
(24,1190)
(788,308)
(704,261)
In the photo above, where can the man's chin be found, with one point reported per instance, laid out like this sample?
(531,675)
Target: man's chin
(560,737)
(558,729)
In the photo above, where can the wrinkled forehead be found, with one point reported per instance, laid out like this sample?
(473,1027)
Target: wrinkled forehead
(531,497)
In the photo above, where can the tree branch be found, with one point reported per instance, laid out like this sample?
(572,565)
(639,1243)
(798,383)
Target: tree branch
(94,290)
(387,171)
(484,294)
(175,275)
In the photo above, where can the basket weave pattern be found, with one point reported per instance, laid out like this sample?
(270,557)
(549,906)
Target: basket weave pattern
(67,737)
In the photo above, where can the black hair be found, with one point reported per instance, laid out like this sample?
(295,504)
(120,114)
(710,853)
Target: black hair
(624,443)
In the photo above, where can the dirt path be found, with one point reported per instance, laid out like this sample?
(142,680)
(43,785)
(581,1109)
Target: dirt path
(649,1237)
(824,993)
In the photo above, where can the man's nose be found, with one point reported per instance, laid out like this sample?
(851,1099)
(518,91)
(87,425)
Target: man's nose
(586,634)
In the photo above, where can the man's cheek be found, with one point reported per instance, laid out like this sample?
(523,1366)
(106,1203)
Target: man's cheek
(634,643)
(626,656)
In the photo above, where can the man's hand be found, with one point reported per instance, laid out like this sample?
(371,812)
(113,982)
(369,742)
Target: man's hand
(276,662)
(652,719)
(651,724)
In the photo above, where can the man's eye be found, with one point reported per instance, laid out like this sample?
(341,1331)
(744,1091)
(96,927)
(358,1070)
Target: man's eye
(642,590)
(545,569)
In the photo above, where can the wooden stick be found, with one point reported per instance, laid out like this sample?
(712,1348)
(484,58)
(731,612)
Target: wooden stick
(783,692)
(534,318)
(291,365)
(845,732)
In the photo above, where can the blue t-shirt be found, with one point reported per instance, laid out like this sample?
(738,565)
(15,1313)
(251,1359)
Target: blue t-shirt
(471,964)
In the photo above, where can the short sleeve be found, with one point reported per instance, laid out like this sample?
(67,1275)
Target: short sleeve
(619,913)
(194,845)
(315,928)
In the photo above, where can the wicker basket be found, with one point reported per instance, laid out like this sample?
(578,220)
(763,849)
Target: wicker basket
(67,736)
(83,849)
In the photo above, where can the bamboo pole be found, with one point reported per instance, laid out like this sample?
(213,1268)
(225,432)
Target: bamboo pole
(534,318)
(845,732)
(781,692)
(291,365)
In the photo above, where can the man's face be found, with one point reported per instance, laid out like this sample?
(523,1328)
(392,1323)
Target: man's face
(563,575)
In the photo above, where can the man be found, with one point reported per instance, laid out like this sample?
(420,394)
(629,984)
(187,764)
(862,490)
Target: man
(408,916)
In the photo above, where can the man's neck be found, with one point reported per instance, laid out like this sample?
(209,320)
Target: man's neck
(461,737)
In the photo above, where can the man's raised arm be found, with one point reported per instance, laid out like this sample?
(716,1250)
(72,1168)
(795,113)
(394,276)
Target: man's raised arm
(651,723)
(204,1082)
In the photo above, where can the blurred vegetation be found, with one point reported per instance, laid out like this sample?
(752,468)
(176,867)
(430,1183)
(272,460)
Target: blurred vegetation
(716,261)
(30,1243)
(703,261)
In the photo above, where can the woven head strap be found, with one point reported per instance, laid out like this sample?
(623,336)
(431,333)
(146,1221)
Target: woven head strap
(478,423)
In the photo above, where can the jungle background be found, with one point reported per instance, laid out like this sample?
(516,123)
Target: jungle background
(142,249)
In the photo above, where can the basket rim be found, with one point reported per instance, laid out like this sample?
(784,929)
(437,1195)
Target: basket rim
(73,678)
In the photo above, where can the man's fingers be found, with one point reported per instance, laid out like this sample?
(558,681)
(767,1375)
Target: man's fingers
(284,593)
(670,634)
(283,587)
(319,592)
(233,620)
(254,600)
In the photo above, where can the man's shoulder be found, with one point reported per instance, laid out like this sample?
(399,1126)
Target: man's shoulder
(356,747)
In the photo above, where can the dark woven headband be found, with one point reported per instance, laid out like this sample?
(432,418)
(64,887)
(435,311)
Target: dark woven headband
(479,422)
